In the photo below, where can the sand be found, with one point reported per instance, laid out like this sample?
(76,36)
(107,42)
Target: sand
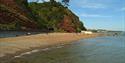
(12,45)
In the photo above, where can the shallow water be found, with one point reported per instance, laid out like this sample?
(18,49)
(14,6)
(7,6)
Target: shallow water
(95,50)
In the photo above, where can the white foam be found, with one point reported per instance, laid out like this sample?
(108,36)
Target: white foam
(45,49)
(17,56)
(26,53)
(59,46)
(33,51)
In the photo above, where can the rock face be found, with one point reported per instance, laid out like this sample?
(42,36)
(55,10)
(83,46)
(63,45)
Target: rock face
(47,16)
(14,15)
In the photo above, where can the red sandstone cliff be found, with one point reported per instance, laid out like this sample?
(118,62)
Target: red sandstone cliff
(16,11)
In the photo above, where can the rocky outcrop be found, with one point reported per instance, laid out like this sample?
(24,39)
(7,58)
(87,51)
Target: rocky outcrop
(17,13)
(67,25)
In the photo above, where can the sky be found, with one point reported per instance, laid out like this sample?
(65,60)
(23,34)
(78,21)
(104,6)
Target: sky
(100,14)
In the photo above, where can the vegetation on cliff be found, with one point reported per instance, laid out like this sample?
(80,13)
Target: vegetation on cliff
(48,16)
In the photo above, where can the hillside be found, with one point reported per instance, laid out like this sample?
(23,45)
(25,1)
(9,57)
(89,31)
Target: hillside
(15,15)
(47,16)
(56,17)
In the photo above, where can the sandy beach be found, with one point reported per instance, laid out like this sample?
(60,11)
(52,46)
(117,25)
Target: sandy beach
(13,45)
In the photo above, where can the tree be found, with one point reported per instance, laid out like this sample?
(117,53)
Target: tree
(65,2)
(52,0)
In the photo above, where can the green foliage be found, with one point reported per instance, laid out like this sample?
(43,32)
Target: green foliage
(47,15)
(65,2)
(50,15)
(10,26)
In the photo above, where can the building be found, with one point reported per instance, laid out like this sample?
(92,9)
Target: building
(87,32)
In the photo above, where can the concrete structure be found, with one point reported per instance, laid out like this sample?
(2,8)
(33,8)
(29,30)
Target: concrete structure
(86,32)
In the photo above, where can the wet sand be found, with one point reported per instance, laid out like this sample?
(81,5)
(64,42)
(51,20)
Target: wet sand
(17,45)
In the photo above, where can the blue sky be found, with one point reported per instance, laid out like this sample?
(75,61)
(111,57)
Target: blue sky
(100,14)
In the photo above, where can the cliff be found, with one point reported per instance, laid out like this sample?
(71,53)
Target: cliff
(55,17)
(14,15)
(47,16)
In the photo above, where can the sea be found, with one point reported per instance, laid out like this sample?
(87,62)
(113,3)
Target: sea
(108,49)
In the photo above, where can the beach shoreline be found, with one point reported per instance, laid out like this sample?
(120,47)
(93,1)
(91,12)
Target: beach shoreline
(15,46)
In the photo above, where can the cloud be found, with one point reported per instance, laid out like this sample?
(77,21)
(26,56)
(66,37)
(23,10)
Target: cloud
(123,9)
(90,4)
(93,5)
(93,15)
